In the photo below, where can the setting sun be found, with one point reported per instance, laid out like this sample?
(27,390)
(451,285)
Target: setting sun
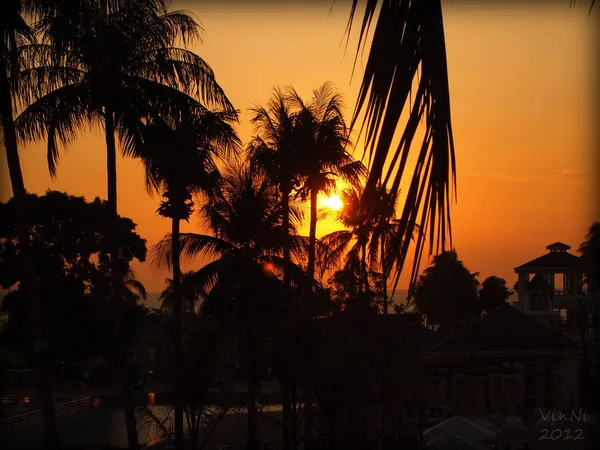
(333,201)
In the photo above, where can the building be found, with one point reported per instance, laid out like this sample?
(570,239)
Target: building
(552,289)
(506,363)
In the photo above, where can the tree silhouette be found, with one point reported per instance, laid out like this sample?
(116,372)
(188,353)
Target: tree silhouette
(323,137)
(16,33)
(493,293)
(446,293)
(114,63)
(69,248)
(242,288)
(180,162)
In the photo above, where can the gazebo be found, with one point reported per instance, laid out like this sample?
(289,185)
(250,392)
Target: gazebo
(542,290)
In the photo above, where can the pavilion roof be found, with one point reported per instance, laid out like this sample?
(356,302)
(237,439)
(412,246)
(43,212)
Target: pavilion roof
(506,329)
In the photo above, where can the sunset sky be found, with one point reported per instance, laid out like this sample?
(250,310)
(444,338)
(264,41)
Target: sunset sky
(523,98)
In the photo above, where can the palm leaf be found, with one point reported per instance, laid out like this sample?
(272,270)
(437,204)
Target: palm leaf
(409,37)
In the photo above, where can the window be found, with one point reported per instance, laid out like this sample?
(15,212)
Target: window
(538,302)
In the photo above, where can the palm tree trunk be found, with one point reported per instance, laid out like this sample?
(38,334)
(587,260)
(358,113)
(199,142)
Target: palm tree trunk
(252,442)
(177,318)
(284,384)
(308,391)
(286,415)
(312,240)
(363,268)
(384,275)
(285,212)
(117,284)
(39,344)
(309,416)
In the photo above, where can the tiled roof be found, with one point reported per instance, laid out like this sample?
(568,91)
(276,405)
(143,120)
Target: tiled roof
(507,330)
(552,259)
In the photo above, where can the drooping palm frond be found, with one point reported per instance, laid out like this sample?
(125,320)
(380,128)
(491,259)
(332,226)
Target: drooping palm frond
(408,44)
(134,292)
(58,116)
(336,246)
(121,55)
(181,157)
(192,245)
(191,290)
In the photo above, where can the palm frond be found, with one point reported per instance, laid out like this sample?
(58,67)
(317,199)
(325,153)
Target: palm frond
(409,36)
(191,245)
(59,116)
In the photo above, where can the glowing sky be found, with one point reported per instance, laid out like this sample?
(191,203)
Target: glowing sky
(522,82)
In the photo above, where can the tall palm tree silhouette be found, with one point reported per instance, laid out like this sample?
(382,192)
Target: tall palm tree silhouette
(117,62)
(16,34)
(272,152)
(241,284)
(180,162)
(323,138)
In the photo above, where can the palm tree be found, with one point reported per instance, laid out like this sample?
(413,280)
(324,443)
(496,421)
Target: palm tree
(242,287)
(367,237)
(191,296)
(180,162)
(408,44)
(117,64)
(352,242)
(15,34)
(322,136)
(384,229)
(272,152)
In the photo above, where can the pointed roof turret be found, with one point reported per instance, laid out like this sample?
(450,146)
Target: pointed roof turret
(538,284)
(558,247)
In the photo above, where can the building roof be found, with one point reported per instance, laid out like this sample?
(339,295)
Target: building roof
(553,259)
(506,329)
(458,433)
(406,326)
(538,284)
(558,246)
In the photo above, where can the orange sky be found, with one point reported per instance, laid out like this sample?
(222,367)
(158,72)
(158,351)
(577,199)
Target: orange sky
(521,81)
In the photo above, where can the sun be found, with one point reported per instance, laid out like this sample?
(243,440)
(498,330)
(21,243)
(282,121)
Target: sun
(333,202)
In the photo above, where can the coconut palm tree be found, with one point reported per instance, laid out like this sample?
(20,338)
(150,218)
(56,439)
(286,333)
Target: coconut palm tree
(384,229)
(191,296)
(273,152)
(318,154)
(242,284)
(118,63)
(180,162)
(352,242)
(323,137)
(16,33)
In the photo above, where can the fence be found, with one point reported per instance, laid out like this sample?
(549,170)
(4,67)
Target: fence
(35,418)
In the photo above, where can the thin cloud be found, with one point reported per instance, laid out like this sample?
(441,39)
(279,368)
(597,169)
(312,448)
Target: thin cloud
(562,177)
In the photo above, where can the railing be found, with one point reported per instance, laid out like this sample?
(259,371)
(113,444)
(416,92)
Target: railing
(563,292)
(35,418)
